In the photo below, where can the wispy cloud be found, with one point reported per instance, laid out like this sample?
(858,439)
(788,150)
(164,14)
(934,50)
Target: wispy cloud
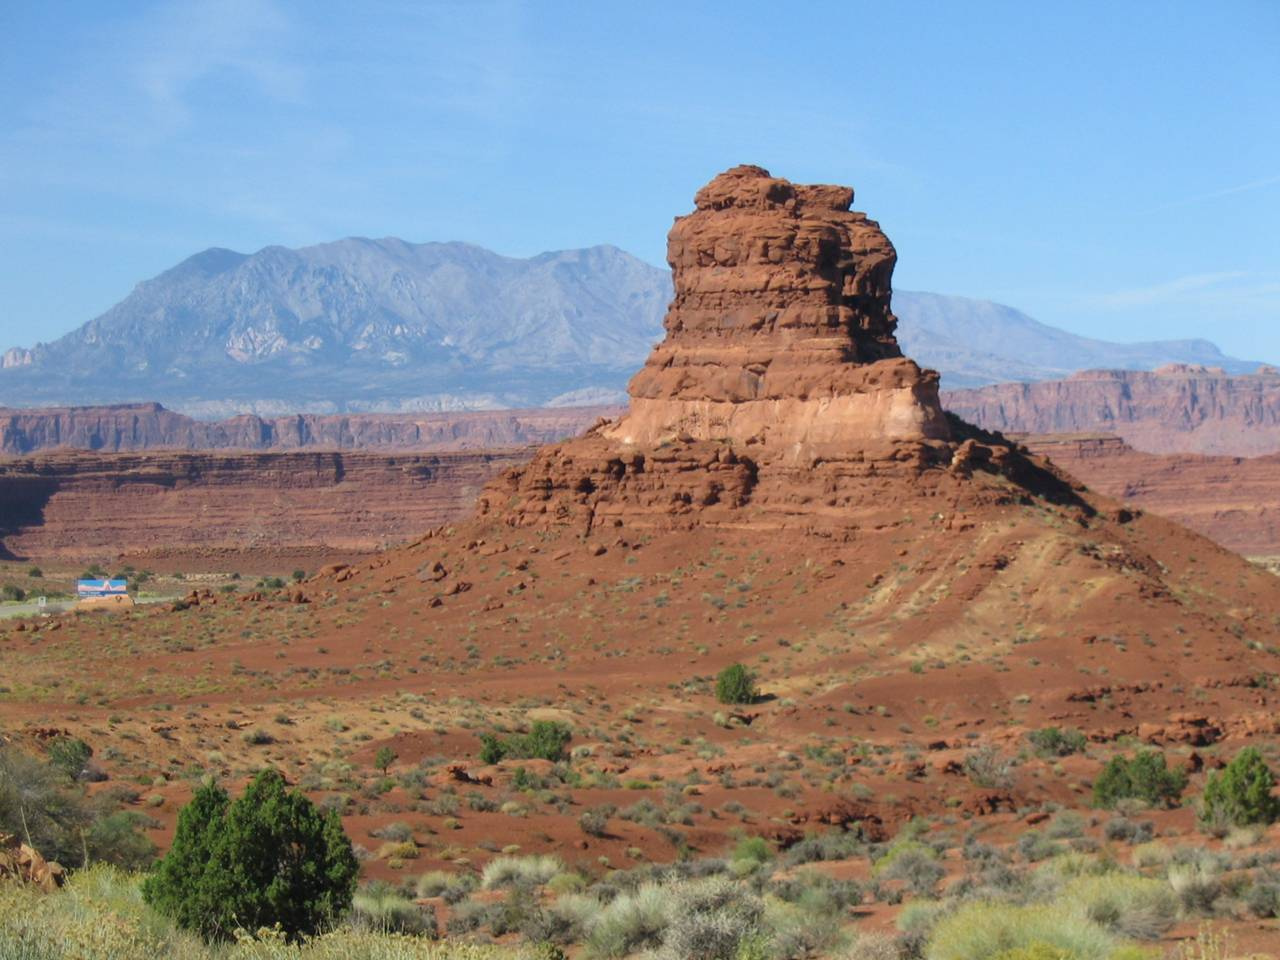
(1170,290)
(191,41)
(1217,194)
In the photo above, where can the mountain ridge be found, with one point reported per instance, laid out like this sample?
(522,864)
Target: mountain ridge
(386,325)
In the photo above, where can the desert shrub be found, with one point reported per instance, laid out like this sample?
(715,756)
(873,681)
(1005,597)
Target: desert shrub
(383,759)
(736,684)
(269,858)
(118,839)
(11,591)
(1067,825)
(100,915)
(709,920)
(986,931)
(918,918)
(816,891)
(871,946)
(1136,907)
(987,768)
(631,922)
(1240,793)
(1129,831)
(752,849)
(800,930)
(70,755)
(1263,897)
(509,871)
(449,887)
(380,909)
(1055,742)
(1197,885)
(39,805)
(1036,846)
(546,740)
(595,822)
(823,846)
(397,830)
(1144,777)
(912,863)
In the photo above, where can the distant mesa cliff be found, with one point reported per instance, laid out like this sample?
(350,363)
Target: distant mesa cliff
(362,325)
(1231,500)
(191,505)
(149,426)
(1177,408)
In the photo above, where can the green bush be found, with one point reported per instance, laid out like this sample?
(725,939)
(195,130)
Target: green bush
(1143,777)
(736,684)
(12,592)
(118,839)
(1240,794)
(546,740)
(70,755)
(269,858)
(1054,742)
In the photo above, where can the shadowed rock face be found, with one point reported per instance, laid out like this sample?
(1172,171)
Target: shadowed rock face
(780,334)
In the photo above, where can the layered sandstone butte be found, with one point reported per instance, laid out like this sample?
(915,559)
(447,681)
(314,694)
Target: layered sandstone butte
(1179,408)
(779,395)
(780,334)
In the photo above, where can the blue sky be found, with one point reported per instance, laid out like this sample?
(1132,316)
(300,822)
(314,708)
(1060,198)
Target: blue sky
(1111,168)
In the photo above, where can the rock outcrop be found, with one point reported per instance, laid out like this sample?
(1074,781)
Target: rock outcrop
(1179,408)
(780,334)
(779,396)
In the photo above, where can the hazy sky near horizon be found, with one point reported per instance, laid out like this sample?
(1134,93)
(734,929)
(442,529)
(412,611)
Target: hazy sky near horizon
(1111,168)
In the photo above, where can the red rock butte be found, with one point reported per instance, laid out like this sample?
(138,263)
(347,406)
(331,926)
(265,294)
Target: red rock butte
(780,334)
(779,395)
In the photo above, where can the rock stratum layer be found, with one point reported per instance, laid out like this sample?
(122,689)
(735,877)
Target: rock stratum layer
(1180,408)
(780,334)
(80,507)
(149,426)
(1234,501)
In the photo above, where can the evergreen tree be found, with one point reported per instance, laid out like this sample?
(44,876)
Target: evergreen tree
(268,858)
(1241,793)
(177,886)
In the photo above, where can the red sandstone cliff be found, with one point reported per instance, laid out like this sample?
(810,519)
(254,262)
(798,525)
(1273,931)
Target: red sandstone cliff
(149,426)
(98,506)
(1176,409)
(1234,501)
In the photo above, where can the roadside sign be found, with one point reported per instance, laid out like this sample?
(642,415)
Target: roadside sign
(101,588)
(42,602)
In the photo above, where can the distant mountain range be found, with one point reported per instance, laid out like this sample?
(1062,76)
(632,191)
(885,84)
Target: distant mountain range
(384,325)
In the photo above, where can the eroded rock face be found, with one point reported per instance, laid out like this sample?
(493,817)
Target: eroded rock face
(779,398)
(780,334)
